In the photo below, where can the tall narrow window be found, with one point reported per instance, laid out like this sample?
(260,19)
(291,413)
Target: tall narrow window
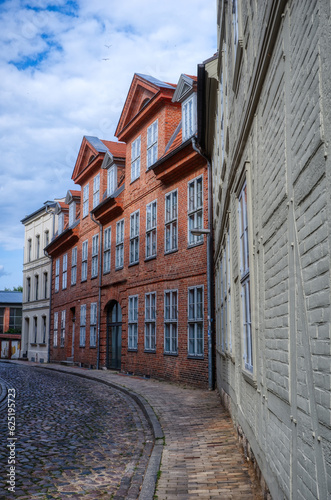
(245,279)
(119,244)
(44,330)
(95,252)
(235,22)
(195,210)
(74,266)
(64,271)
(106,249)
(195,321)
(134,237)
(37,246)
(82,331)
(96,190)
(93,324)
(46,237)
(55,329)
(150,320)
(171,226)
(152,139)
(133,322)
(28,285)
(188,118)
(85,200)
(135,159)
(63,328)
(60,222)
(225,295)
(35,329)
(151,229)
(72,213)
(84,260)
(170,322)
(57,275)
(45,285)
(111,180)
(37,287)
(29,249)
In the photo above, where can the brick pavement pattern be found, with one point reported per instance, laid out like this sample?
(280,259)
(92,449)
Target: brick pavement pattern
(201,457)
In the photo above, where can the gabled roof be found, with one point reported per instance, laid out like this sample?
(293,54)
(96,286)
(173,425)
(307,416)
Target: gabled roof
(185,87)
(144,89)
(61,206)
(72,195)
(92,149)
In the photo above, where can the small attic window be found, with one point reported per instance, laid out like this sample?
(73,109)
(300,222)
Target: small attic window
(143,104)
(91,158)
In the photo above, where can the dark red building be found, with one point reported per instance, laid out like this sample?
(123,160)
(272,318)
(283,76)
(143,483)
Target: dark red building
(129,287)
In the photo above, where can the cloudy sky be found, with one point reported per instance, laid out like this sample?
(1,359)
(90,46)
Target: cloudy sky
(65,70)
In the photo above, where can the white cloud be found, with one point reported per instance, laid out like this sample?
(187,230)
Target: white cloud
(65,70)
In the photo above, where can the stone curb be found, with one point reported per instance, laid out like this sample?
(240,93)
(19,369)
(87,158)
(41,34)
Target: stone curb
(150,478)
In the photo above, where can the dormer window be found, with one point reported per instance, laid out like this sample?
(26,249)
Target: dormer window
(72,213)
(152,138)
(135,159)
(111,180)
(60,223)
(188,117)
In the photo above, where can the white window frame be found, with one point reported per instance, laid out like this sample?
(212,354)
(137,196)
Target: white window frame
(36,281)
(44,326)
(74,266)
(119,263)
(93,324)
(195,323)
(134,237)
(82,326)
(189,117)
(152,143)
(57,276)
(171,222)
(195,209)
(46,285)
(64,271)
(60,226)
(135,159)
(111,180)
(95,256)
(106,250)
(245,278)
(150,321)
(151,229)
(35,329)
(84,260)
(46,237)
(63,328)
(96,190)
(72,213)
(85,200)
(171,322)
(133,323)
(55,329)
(37,246)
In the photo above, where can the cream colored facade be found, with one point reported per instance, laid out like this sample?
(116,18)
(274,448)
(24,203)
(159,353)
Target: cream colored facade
(39,230)
(267,129)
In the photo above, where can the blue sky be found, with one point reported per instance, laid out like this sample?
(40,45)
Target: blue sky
(65,70)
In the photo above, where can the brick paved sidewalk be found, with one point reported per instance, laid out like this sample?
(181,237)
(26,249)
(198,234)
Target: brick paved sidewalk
(201,456)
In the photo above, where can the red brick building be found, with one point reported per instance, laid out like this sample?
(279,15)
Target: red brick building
(129,287)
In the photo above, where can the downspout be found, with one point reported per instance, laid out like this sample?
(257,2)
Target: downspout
(50,290)
(100,283)
(210,269)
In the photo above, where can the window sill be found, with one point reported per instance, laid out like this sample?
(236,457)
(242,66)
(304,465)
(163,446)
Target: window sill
(132,349)
(134,180)
(106,272)
(33,344)
(81,347)
(193,245)
(93,346)
(150,351)
(150,258)
(94,277)
(192,356)
(73,284)
(42,344)
(84,281)
(133,264)
(171,251)
(249,379)
(119,268)
(175,354)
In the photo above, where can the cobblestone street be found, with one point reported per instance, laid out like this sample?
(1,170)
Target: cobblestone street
(76,438)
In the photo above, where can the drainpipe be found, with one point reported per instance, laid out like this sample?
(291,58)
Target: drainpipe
(100,283)
(50,290)
(210,270)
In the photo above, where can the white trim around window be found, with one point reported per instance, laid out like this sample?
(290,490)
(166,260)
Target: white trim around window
(82,325)
(151,229)
(135,159)
(134,237)
(106,250)
(150,322)
(119,258)
(93,324)
(171,221)
(152,142)
(85,200)
(74,266)
(133,323)
(195,321)
(95,256)
(171,322)
(84,260)
(57,275)
(195,209)
(55,329)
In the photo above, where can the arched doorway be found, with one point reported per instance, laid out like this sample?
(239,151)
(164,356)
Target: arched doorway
(114,335)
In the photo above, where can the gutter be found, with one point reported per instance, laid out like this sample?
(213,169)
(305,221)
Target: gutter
(210,269)
(100,284)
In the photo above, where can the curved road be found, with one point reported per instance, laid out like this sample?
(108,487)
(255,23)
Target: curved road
(76,438)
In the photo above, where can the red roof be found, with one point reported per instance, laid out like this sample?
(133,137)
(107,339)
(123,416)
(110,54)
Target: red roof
(116,148)
(75,193)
